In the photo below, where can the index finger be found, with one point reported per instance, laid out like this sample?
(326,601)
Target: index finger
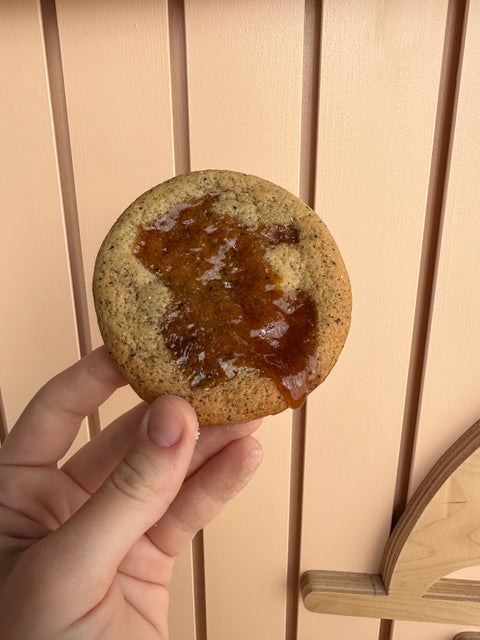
(96,460)
(48,426)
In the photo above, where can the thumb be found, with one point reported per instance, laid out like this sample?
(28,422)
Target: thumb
(138,491)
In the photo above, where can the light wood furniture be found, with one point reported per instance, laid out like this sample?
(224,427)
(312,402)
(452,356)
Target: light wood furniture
(437,534)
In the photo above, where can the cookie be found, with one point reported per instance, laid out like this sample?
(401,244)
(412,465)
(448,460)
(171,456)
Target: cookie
(225,289)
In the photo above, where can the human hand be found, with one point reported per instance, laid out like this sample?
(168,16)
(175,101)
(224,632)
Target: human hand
(87,550)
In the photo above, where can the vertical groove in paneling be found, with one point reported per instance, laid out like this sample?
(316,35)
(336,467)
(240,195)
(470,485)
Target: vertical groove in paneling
(179,85)
(310,96)
(307,185)
(199,587)
(181,150)
(385,630)
(66,180)
(65,166)
(444,127)
(297,466)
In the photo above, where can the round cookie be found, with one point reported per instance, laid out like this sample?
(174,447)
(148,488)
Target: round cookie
(225,289)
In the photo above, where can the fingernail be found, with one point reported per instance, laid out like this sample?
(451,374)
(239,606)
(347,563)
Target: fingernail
(165,423)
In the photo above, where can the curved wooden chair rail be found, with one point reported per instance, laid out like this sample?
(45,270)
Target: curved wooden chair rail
(438,533)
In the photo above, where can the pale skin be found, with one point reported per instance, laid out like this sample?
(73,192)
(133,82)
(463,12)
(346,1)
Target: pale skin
(87,549)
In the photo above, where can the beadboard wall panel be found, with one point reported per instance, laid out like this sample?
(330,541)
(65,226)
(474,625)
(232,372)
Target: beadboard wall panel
(379,83)
(103,100)
(38,327)
(120,118)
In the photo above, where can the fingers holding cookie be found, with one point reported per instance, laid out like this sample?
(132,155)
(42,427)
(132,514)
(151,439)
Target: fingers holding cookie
(91,465)
(205,493)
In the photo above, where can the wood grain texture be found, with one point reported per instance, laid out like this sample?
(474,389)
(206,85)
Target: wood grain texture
(451,397)
(379,78)
(361,595)
(244,62)
(437,533)
(37,331)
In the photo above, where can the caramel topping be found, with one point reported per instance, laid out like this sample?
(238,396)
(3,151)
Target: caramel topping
(228,310)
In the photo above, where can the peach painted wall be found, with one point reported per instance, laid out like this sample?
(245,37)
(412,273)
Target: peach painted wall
(369,111)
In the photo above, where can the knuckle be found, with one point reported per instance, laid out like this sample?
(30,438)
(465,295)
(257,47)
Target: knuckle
(134,478)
